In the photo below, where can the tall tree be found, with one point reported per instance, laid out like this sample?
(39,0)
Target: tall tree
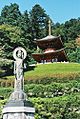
(24,24)
(10,37)
(10,14)
(38,19)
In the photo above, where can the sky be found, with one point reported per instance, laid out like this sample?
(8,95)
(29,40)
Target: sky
(58,10)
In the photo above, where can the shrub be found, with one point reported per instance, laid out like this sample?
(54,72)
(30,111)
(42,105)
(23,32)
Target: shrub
(6,67)
(5,92)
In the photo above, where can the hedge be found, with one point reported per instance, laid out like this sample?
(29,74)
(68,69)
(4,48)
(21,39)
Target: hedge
(63,107)
(46,91)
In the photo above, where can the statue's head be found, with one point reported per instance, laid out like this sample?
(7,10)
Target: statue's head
(19,53)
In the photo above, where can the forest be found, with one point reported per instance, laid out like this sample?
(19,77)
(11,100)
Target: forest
(20,29)
(54,95)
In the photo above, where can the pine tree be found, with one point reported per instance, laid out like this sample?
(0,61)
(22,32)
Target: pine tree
(39,20)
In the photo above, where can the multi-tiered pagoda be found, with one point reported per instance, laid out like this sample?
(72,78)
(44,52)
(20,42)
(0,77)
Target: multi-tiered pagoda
(51,47)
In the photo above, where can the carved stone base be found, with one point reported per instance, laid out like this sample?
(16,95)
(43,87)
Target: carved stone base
(18,95)
(17,116)
(18,107)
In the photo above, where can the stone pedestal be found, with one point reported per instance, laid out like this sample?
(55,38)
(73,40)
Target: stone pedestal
(18,107)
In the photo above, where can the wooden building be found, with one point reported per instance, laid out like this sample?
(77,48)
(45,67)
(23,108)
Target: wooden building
(52,49)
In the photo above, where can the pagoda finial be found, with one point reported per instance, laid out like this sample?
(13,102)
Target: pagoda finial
(49,23)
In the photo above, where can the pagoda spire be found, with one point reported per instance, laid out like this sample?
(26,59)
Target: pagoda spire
(49,25)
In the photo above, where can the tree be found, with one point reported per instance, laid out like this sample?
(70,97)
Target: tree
(39,20)
(24,24)
(10,38)
(10,14)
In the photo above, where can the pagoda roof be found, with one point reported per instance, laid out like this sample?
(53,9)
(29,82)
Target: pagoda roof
(60,53)
(54,41)
(56,51)
(49,37)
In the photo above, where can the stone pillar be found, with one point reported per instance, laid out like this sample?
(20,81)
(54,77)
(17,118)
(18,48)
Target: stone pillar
(18,106)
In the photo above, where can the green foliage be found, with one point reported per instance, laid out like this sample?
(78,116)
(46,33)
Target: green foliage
(6,67)
(19,29)
(48,73)
(9,39)
(61,107)
(2,72)
(78,54)
(53,70)
(10,14)
(2,103)
(55,98)
(53,88)
(69,32)
(64,107)
(31,25)
(5,92)
(39,21)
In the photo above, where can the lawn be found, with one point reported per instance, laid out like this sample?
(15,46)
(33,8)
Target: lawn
(59,70)
(53,70)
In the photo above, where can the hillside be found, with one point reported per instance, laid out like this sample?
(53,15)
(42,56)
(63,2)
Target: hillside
(47,73)
(54,90)
(53,70)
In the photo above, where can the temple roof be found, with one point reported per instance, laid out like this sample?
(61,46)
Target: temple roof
(50,41)
(49,37)
(58,53)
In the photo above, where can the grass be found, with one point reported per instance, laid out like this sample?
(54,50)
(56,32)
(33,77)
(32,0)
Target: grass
(54,70)
(58,70)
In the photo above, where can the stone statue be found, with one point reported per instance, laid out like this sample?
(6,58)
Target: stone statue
(19,55)
(18,106)
(18,69)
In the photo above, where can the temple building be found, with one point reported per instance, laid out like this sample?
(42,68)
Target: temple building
(49,49)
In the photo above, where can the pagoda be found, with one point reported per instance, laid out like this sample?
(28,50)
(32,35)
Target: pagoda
(51,47)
